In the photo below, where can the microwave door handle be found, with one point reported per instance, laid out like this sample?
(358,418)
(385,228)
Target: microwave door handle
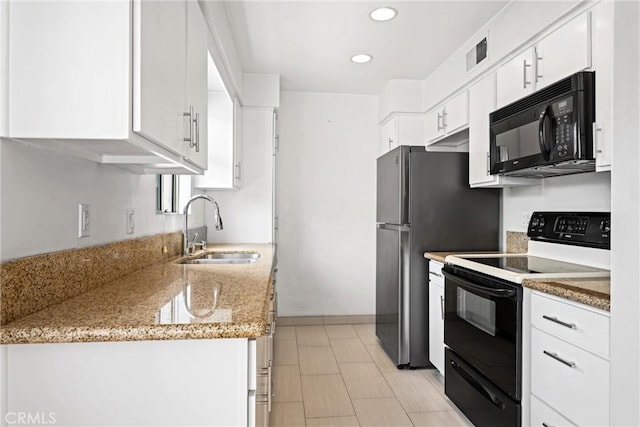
(543,124)
(483,290)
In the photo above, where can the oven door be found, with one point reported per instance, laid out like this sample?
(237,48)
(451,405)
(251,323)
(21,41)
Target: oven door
(483,325)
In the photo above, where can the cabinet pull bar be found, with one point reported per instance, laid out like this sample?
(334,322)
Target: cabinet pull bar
(559,359)
(488,164)
(547,425)
(439,126)
(559,322)
(197,122)
(538,59)
(596,129)
(442,307)
(444,119)
(435,274)
(190,115)
(524,74)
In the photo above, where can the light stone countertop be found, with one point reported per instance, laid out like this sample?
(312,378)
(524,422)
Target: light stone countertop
(593,292)
(166,301)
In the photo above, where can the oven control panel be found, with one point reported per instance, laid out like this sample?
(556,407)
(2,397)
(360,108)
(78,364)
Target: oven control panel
(592,229)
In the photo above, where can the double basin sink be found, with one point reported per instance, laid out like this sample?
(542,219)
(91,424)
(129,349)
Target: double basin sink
(222,258)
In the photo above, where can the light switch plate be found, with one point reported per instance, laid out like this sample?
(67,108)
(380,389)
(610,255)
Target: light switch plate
(84,220)
(131,221)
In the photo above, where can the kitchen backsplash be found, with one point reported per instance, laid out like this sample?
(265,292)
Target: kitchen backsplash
(33,283)
(517,242)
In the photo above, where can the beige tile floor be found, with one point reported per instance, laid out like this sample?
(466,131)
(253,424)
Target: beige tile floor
(338,375)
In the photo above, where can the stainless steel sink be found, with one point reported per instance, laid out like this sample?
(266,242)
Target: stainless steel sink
(223,258)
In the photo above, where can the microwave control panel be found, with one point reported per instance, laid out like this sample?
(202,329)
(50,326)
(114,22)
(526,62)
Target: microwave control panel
(564,143)
(592,229)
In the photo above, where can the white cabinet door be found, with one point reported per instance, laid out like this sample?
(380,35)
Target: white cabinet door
(515,78)
(159,72)
(68,69)
(433,125)
(564,52)
(197,58)
(456,113)
(482,101)
(602,62)
(388,135)
(436,316)
(220,144)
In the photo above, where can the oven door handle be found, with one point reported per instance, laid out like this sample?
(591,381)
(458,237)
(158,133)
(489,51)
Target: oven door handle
(545,125)
(484,391)
(474,287)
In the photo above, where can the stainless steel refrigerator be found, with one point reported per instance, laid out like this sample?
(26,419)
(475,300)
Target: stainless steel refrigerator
(424,204)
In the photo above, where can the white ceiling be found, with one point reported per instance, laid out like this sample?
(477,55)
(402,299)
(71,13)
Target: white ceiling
(310,43)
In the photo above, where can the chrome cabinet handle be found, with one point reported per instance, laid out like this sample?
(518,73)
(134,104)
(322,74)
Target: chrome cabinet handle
(442,307)
(524,74)
(547,425)
(189,114)
(559,359)
(435,274)
(538,59)
(444,119)
(197,122)
(439,126)
(488,164)
(390,143)
(559,322)
(238,171)
(596,129)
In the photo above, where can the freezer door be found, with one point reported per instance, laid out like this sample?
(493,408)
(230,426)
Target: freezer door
(392,198)
(392,288)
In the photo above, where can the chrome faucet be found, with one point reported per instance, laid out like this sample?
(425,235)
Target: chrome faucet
(188,246)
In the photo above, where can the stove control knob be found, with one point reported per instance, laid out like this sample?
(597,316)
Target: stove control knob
(541,222)
(605,226)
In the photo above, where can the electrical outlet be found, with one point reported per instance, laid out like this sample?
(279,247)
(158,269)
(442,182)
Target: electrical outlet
(84,220)
(525,217)
(131,221)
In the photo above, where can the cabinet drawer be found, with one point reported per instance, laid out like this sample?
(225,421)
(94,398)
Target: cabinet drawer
(581,326)
(435,273)
(571,380)
(544,416)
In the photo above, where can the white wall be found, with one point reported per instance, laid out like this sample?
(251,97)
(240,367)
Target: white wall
(247,212)
(580,192)
(40,191)
(325,202)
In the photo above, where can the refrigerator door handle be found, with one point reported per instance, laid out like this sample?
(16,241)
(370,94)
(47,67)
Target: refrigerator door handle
(394,227)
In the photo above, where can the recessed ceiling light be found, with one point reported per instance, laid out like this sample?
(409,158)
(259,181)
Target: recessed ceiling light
(362,58)
(382,14)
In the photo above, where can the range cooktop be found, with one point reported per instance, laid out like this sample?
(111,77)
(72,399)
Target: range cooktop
(517,267)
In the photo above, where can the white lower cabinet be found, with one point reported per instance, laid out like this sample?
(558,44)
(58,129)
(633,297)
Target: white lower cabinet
(544,416)
(569,363)
(436,316)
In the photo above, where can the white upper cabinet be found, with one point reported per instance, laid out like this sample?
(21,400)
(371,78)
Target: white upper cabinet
(565,51)
(448,118)
(108,81)
(197,85)
(401,129)
(602,58)
(515,78)
(159,72)
(482,101)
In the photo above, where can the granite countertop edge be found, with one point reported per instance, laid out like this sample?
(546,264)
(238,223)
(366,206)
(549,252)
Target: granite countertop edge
(33,330)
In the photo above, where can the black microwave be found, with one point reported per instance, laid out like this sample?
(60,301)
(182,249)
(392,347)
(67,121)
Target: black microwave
(547,133)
